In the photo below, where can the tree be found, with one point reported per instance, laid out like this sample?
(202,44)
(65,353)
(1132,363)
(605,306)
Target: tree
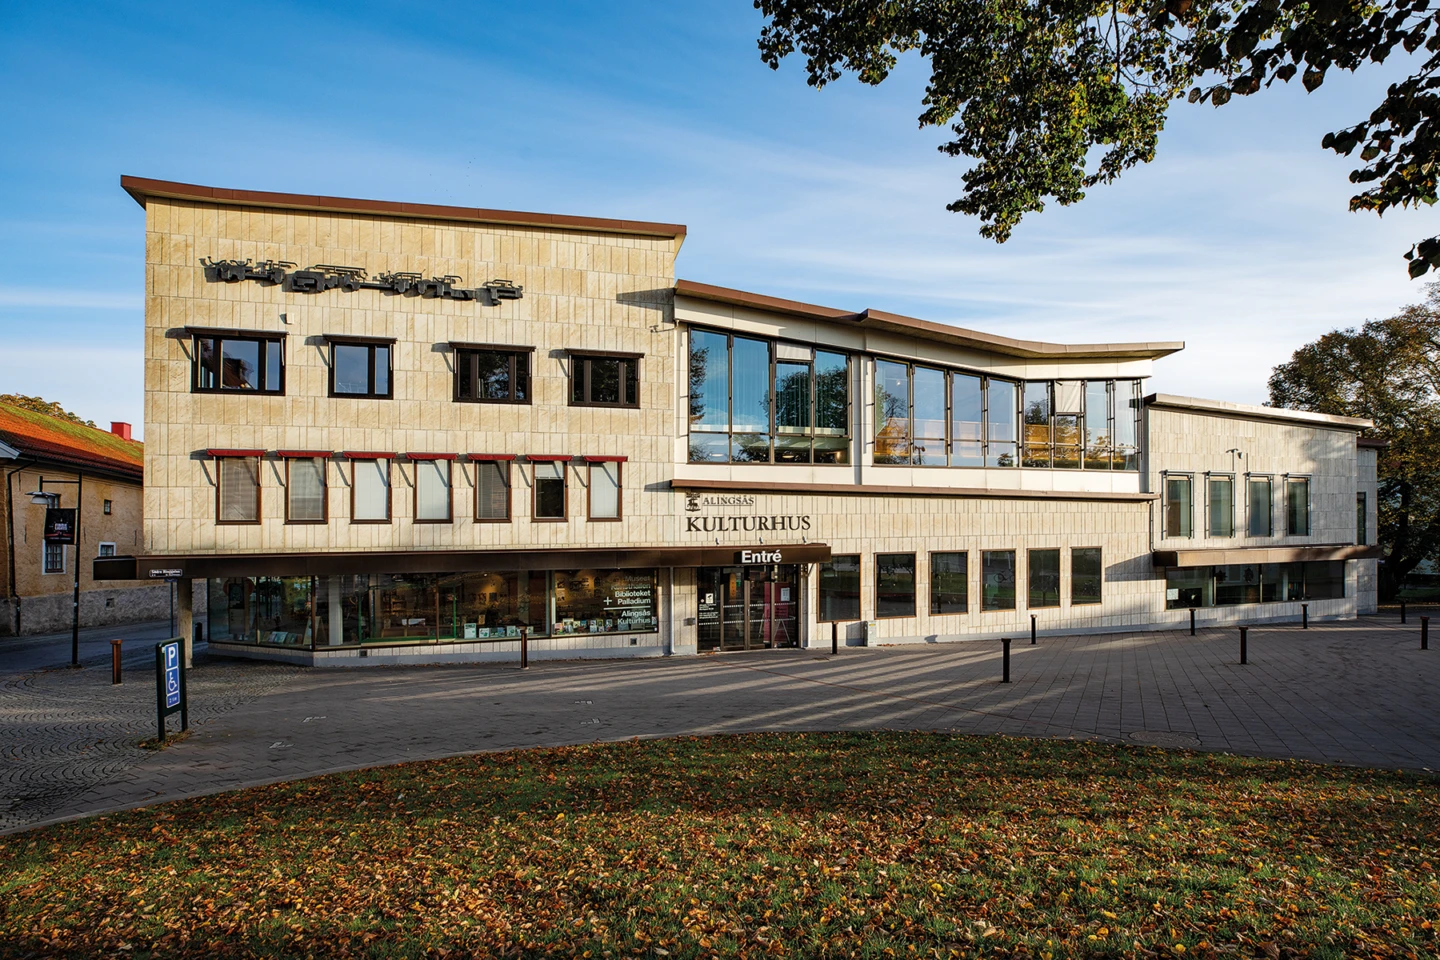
(41,405)
(1387,371)
(1053,97)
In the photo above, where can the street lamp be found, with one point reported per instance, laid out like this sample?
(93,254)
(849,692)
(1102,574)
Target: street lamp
(52,500)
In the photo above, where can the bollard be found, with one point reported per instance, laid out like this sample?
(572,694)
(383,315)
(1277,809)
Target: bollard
(834,639)
(1192,621)
(1005,670)
(524,648)
(1402,611)
(114,662)
(1244,645)
(1304,616)
(1424,634)
(1032,629)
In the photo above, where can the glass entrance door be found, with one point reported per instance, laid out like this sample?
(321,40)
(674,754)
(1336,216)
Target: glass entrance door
(748,608)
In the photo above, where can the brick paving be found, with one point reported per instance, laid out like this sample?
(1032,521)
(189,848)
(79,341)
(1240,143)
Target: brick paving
(1359,692)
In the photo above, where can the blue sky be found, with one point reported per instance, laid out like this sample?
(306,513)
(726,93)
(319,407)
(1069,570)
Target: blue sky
(1236,239)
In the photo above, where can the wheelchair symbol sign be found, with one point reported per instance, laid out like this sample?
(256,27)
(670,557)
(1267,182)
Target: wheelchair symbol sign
(172,675)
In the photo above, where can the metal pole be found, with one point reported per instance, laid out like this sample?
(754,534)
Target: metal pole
(1304,616)
(1244,645)
(160,688)
(1005,672)
(1032,629)
(75,612)
(1402,611)
(114,662)
(834,639)
(184,694)
(1192,621)
(172,608)
(525,648)
(1424,633)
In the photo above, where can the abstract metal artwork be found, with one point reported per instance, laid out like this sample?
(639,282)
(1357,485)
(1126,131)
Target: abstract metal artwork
(329,276)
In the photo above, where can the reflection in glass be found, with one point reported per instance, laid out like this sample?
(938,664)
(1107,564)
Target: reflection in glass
(709,381)
(895,585)
(929,416)
(492,375)
(605,601)
(1086,575)
(604,380)
(792,449)
(967,421)
(832,394)
(1222,506)
(792,398)
(892,412)
(1097,425)
(274,365)
(1037,424)
(1297,508)
(1126,430)
(549,491)
(840,588)
(382,371)
(997,580)
(1044,578)
(949,583)
(240,364)
(1001,414)
(352,368)
(750,395)
(1261,506)
(1067,442)
(750,448)
(709,447)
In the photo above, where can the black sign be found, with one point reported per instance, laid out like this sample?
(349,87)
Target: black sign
(328,276)
(59,525)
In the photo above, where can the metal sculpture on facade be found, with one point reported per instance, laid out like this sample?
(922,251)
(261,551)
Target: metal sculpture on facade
(329,276)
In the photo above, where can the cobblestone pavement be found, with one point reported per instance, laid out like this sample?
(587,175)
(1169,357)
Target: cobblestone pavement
(1359,692)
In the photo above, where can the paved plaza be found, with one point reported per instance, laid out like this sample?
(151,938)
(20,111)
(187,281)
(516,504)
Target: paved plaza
(1357,692)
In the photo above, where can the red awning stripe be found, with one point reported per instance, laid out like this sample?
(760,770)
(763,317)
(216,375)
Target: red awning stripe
(605,459)
(431,456)
(367,455)
(547,457)
(491,456)
(234,453)
(302,454)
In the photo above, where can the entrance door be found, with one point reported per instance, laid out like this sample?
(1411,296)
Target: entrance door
(748,608)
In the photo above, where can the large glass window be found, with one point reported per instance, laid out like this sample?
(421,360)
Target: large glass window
(1098,425)
(238,364)
(949,583)
(892,412)
(1254,583)
(492,491)
(432,491)
(1002,423)
(1297,506)
(763,401)
(360,368)
(1178,505)
(997,582)
(605,601)
(598,380)
(1044,571)
(238,493)
(895,585)
(1067,437)
(492,375)
(1087,575)
(604,490)
(550,498)
(305,500)
(1037,424)
(370,491)
(840,588)
(1221,513)
(1261,507)
(1126,425)
(929,417)
(967,421)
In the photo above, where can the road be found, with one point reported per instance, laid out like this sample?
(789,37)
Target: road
(46,651)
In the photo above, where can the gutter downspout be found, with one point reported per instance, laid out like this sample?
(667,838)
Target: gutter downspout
(10,541)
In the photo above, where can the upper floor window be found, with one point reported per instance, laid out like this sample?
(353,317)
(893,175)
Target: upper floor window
(486,373)
(604,494)
(1362,535)
(492,487)
(369,489)
(1220,490)
(238,361)
(433,503)
(550,495)
(361,367)
(237,489)
(1179,505)
(1094,424)
(600,379)
(54,557)
(106,550)
(305,487)
(1261,496)
(763,401)
(1297,506)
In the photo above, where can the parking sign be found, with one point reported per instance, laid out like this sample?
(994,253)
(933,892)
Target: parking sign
(170,684)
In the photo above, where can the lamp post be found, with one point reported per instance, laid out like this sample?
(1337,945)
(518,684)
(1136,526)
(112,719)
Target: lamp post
(42,498)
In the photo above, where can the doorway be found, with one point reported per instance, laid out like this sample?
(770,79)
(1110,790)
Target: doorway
(748,608)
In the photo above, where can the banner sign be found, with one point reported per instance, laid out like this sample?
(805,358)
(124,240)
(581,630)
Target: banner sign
(170,684)
(59,525)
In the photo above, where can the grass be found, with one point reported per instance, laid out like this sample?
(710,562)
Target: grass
(834,845)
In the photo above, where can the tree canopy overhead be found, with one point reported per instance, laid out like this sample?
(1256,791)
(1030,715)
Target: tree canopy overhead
(1052,98)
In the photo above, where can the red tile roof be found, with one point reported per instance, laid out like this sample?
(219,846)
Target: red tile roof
(70,444)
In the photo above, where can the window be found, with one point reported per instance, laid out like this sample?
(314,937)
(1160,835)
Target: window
(1069,397)
(1044,578)
(1235,584)
(1297,506)
(605,380)
(108,507)
(1220,489)
(840,588)
(305,484)
(1002,423)
(492,490)
(486,374)
(895,585)
(1099,423)
(370,490)
(106,550)
(1086,575)
(1361,518)
(238,489)
(967,422)
(549,490)
(360,367)
(949,583)
(762,401)
(604,495)
(54,557)
(1261,506)
(1037,424)
(238,362)
(997,581)
(606,601)
(432,490)
(1178,491)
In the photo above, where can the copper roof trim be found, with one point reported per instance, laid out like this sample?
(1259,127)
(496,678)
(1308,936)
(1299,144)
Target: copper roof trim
(142,188)
(1251,412)
(1225,556)
(865,490)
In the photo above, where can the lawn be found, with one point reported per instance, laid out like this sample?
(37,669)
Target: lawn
(833,845)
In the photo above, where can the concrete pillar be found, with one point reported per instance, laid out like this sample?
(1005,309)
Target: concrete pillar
(184,618)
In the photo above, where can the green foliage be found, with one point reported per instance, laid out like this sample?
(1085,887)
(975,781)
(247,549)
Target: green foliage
(1052,98)
(1387,371)
(41,405)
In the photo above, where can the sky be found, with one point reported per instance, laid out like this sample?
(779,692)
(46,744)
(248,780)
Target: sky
(1237,239)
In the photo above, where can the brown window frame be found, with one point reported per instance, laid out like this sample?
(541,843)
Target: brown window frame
(219,483)
(372,343)
(564,487)
(449,486)
(389,489)
(479,460)
(469,353)
(289,458)
(263,337)
(591,464)
(578,357)
(1087,603)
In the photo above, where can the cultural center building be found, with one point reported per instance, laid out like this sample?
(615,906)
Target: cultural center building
(389,432)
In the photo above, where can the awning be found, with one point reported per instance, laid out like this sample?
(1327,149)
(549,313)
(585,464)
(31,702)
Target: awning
(1226,556)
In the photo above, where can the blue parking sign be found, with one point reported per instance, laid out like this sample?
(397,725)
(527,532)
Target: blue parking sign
(172,675)
(170,684)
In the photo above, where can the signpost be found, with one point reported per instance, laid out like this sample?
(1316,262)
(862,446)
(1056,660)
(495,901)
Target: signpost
(170,685)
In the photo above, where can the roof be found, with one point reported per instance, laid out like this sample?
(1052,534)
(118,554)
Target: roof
(143,189)
(928,330)
(1251,412)
(1225,556)
(66,443)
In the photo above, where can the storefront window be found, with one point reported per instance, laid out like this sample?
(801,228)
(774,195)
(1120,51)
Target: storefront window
(1087,575)
(840,588)
(1254,583)
(605,601)
(264,610)
(998,580)
(895,585)
(949,583)
(1044,578)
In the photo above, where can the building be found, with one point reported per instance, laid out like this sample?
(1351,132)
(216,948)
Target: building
(406,433)
(50,455)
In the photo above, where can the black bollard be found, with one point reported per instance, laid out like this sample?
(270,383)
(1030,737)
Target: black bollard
(1304,616)
(1244,645)
(1032,629)
(834,639)
(524,648)
(1192,621)
(1424,633)
(1005,670)
(1402,611)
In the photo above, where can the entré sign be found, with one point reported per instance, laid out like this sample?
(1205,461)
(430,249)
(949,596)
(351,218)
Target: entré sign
(759,556)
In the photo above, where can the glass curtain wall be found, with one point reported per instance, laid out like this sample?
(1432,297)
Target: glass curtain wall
(1235,584)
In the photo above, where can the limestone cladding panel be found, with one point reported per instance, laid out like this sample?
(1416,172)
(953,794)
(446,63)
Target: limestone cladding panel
(582,291)
(1197,443)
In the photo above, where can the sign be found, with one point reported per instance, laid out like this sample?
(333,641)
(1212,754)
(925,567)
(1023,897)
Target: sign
(322,277)
(759,556)
(170,684)
(59,525)
(172,675)
(166,573)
